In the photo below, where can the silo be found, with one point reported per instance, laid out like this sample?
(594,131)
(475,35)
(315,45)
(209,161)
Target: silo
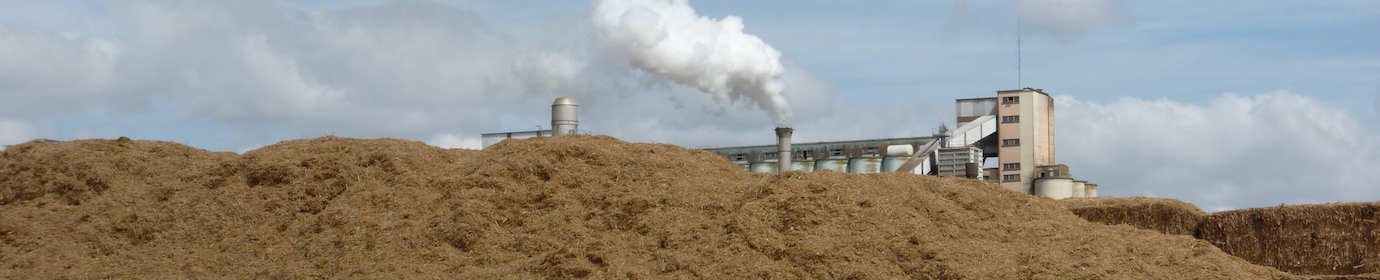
(1079,188)
(803,165)
(837,164)
(746,166)
(1056,188)
(1090,190)
(565,116)
(870,164)
(896,155)
(768,166)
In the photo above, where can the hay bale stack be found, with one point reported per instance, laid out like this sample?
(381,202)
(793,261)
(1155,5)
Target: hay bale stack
(1316,239)
(1165,215)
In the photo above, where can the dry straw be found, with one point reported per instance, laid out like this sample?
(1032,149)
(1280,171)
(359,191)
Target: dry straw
(1322,239)
(554,208)
(1166,215)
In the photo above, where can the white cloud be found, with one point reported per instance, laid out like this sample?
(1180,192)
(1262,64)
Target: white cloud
(15,132)
(1238,151)
(451,141)
(40,72)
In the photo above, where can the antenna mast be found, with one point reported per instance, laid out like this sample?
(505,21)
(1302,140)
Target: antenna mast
(1018,50)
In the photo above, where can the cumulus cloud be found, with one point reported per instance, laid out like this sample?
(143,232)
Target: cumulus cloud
(40,71)
(258,72)
(1237,151)
(451,141)
(15,132)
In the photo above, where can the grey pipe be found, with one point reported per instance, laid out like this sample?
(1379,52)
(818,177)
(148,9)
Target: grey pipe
(783,148)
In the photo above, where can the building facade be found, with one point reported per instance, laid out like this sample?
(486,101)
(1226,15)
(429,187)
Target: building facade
(1025,130)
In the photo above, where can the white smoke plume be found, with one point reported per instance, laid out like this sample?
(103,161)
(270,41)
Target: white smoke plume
(666,37)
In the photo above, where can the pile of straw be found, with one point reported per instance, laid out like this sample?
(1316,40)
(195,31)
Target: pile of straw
(1317,239)
(1166,215)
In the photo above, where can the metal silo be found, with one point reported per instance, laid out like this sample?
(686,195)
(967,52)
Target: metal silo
(837,164)
(565,116)
(896,155)
(866,164)
(1090,190)
(768,166)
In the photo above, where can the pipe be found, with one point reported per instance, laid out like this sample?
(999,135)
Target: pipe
(783,148)
(565,116)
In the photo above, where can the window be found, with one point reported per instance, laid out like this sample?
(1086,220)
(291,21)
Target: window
(1010,119)
(1010,166)
(836,152)
(739,157)
(870,151)
(769,155)
(1011,99)
(1011,178)
(1011,142)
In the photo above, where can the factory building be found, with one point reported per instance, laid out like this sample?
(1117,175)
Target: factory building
(565,119)
(1016,128)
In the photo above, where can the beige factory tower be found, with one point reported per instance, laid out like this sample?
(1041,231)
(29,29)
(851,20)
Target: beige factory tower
(1025,131)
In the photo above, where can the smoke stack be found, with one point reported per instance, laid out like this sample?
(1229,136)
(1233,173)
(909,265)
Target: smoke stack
(783,148)
(565,116)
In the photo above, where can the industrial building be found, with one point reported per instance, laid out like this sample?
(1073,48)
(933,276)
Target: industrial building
(1016,127)
(565,119)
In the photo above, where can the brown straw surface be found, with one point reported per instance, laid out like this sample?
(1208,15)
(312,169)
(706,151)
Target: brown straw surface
(554,208)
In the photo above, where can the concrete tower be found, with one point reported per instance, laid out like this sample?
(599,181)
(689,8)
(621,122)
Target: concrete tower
(1025,132)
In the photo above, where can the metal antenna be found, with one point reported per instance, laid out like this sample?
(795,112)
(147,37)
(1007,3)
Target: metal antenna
(1018,50)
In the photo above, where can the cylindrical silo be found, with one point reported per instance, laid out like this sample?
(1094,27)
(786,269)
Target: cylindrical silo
(565,116)
(1056,188)
(1079,188)
(746,166)
(837,164)
(768,166)
(890,164)
(1090,190)
(803,165)
(865,165)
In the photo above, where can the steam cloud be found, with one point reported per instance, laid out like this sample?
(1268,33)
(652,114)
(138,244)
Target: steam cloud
(666,37)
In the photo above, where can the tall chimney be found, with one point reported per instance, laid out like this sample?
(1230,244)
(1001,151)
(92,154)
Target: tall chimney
(783,148)
(565,116)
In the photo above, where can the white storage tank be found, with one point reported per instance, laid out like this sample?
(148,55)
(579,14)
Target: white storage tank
(746,166)
(865,165)
(837,164)
(1079,188)
(803,165)
(1090,190)
(1056,188)
(768,166)
(890,164)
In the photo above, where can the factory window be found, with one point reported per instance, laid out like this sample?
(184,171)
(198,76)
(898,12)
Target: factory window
(804,155)
(1011,142)
(769,155)
(1010,166)
(836,152)
(1010,119)
(1011,99)
(870,151)
(739,157)
(1010,178)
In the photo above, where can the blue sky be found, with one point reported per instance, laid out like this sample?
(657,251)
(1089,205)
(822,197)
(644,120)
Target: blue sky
(1221,103)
